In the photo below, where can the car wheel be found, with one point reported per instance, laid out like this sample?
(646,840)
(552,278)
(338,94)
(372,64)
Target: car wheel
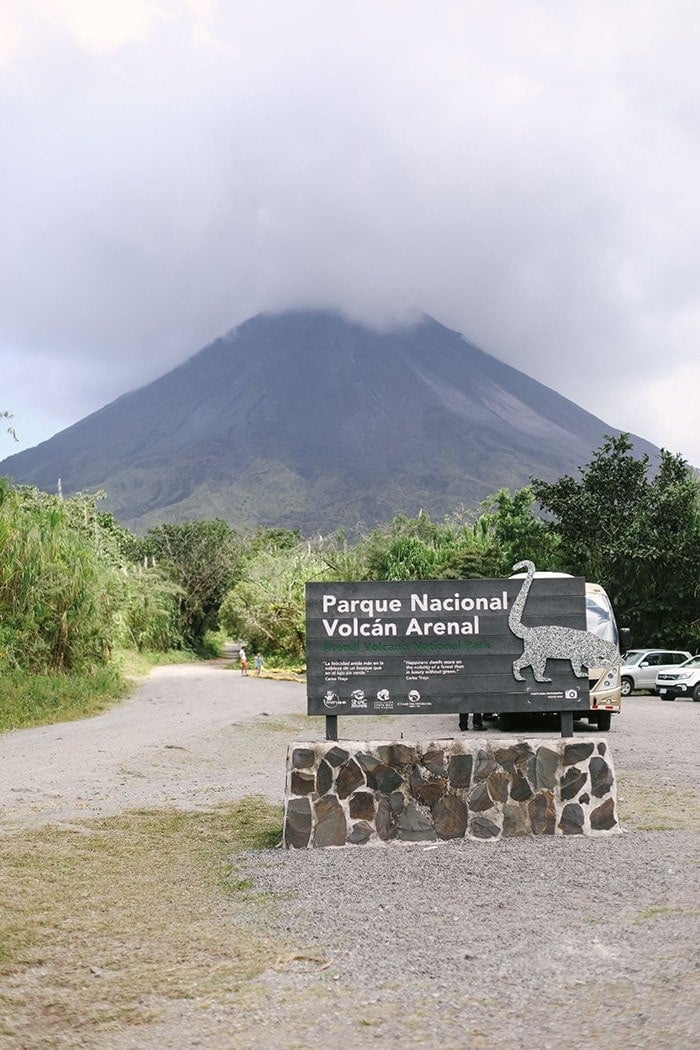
(464,720)
(603,720)
(626,686)
(696,693)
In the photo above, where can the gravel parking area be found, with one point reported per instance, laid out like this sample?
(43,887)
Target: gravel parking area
(512,944)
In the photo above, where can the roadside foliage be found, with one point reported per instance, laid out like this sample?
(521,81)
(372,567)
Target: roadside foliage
(636,532)
(76,588)
(201,560)
(59,583)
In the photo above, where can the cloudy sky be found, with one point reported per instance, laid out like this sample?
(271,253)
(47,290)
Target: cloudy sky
(526,171)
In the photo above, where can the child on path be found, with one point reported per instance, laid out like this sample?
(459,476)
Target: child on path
(257,663)
(242,656)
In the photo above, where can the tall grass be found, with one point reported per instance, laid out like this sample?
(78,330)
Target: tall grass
(33,700)
(70,596)
(59,584)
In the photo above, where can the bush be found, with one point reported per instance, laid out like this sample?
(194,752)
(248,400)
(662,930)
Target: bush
(59,584)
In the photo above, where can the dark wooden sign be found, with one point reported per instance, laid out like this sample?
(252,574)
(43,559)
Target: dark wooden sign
(444,646)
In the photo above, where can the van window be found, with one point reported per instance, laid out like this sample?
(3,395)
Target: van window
(599,617)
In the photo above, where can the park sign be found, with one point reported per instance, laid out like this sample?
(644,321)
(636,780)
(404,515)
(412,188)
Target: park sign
(445,646)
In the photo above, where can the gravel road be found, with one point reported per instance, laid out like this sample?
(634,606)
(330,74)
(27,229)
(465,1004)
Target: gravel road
(513,944)
(190,736)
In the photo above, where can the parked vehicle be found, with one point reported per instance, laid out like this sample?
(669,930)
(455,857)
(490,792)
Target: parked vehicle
(683,680)
(641,666)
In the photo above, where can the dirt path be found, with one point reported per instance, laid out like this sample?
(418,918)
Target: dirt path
(190,736)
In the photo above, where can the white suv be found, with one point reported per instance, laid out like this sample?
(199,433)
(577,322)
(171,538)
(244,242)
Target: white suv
(640,667)
(683,680)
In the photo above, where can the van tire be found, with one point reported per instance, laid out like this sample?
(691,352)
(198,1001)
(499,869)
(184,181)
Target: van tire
(626,686)
(696,693)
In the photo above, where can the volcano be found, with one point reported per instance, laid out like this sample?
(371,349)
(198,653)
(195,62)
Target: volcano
(307,420)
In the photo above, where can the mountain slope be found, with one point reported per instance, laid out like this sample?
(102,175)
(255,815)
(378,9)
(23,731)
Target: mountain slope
(307,420)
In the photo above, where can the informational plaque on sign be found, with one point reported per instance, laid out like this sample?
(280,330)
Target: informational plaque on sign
(444,646)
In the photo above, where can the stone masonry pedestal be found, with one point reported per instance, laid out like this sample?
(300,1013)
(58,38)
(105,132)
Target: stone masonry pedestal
(374,793)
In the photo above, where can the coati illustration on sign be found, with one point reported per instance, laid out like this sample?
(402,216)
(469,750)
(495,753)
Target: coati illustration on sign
(549,642)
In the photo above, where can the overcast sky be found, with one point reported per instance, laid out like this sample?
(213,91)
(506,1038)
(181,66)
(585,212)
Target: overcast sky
(525,171)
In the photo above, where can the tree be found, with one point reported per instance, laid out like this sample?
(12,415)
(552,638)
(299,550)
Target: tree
(267,607)
(518,532)
(470,551)
(273,539)
(638,534)
(406,549)
(204,559)
(147,616)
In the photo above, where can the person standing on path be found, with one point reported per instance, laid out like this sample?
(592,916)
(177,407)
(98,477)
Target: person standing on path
(243,658)
(258,664)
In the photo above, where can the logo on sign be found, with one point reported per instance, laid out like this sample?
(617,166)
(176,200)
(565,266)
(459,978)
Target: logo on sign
(383,701)
(358,698)
(331,700)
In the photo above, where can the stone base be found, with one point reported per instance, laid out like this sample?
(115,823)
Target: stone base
(353,792)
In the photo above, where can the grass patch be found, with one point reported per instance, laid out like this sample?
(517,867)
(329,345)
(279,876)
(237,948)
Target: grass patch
(299,727)
(648,806)
(285,664)
(35,700)
(104,924)
(133,664)
(654,913)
